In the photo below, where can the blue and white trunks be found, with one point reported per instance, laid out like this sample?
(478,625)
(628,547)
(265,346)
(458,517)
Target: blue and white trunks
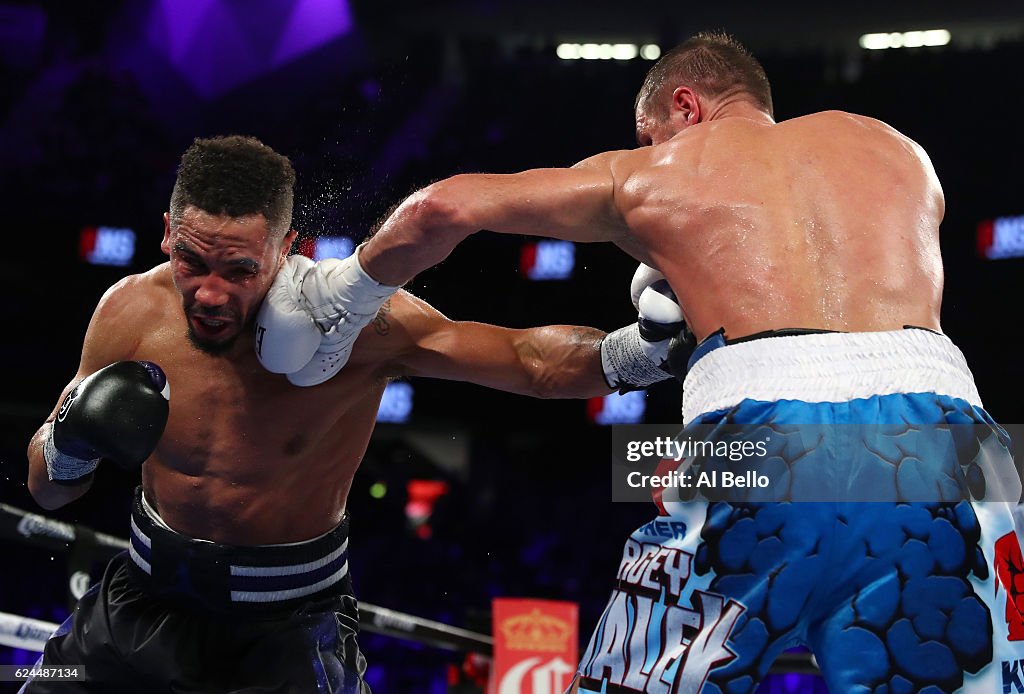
(891,596)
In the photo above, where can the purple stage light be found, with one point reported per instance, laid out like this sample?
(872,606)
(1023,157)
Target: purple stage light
(312,24)
(217,45)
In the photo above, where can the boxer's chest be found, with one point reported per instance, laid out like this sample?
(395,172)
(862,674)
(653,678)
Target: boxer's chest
(228,416)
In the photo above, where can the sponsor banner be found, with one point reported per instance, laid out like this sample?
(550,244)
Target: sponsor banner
(535,646)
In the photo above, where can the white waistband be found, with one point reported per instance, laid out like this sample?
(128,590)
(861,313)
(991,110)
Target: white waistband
(827,367)
(153,515)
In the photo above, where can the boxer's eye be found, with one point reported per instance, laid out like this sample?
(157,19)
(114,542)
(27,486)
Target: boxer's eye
(240,275)
(191,263)
(241,270)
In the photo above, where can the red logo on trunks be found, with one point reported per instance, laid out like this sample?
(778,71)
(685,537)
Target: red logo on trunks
(666,466)
(1009,567)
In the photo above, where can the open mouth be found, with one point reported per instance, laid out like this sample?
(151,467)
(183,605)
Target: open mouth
(211,328)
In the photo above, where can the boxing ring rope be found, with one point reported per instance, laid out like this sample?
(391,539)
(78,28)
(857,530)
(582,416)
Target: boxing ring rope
(24,632)
(31,634)
(84,544)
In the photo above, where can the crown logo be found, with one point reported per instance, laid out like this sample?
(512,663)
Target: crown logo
(536,632)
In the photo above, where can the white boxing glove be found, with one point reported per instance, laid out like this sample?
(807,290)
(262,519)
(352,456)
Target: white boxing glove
(341,299)
(644,277)
(639,354)
(286,336)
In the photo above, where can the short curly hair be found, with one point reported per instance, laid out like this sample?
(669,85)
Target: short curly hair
(715,64)
(235,176)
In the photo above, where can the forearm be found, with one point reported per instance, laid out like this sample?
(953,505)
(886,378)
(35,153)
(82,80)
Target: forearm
(48,494)
(419,234)
(563,361)
(572,204)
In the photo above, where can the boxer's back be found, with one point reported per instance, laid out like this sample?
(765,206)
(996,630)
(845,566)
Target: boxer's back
(827,221)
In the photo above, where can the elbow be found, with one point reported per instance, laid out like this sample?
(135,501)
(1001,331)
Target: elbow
(42,494)
(440,213)
(48,503)
(37,482)
(49,495)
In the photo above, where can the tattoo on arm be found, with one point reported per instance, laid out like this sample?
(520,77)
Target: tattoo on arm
(380,324)
(582,335)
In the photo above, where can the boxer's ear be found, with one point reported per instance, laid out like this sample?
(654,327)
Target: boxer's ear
(685,105)
(165,245)
(287,243)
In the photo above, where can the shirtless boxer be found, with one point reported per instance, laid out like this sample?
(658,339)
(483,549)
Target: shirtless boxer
(237,577)
(801,253)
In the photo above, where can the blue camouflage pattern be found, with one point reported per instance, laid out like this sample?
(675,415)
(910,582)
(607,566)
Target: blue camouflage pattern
(892,595)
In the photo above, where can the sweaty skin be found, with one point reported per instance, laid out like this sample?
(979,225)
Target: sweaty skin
(247,458)
(827,221)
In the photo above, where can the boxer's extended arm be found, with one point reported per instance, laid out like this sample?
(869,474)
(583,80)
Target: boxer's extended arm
(555,361)
(576,204)
(107,340)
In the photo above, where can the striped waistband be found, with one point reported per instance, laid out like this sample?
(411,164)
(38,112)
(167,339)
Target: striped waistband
(237,579)
(825,367)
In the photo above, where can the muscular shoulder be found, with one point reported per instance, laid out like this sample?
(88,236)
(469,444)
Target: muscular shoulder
(603,161)
(123,316)
(844,128)
(843,122)
(132,298)
(616,164)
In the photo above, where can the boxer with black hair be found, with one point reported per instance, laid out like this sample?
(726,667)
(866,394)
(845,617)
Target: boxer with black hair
(237,575)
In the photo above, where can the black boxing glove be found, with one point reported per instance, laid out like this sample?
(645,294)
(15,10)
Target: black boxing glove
(119,413)
(680,349)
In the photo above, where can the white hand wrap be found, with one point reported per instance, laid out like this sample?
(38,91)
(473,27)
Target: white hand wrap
(342,299)
(286,336)
(629,360)
(61,467)
(339,294)
(634,358)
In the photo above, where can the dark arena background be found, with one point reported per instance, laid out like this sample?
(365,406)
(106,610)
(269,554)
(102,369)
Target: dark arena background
(465,494)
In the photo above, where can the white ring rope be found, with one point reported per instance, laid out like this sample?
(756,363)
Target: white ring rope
(24,632)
